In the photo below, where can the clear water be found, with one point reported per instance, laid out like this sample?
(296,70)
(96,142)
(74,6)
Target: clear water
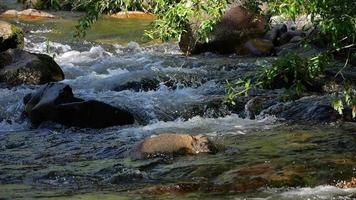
(259,159)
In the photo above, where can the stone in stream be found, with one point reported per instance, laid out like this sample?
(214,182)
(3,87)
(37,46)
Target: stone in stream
(306,109)
(169,143)
(55,102)
(11,37)
(20,67)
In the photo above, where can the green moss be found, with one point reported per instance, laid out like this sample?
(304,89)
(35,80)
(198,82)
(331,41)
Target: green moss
(18,35)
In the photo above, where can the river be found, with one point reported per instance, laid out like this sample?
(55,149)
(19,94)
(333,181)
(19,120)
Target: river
(265,158)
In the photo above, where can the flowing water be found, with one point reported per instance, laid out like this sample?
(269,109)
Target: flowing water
(168,92)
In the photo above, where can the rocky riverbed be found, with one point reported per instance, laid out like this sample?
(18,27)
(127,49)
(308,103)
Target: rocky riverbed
(286,150)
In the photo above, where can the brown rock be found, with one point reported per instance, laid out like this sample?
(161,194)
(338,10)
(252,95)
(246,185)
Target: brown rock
(28,14)
(170,143)
(257,47)
(235,27)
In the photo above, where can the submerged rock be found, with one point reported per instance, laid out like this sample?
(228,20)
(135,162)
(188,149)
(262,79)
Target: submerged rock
(20,67)
(181,144)
(11,37)
(55,102)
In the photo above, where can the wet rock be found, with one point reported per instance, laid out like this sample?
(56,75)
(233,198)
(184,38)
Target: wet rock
(11,37)
(145,84)
(307,109)
(20,67)
(257,47)
(255,105)
(55,102)
(233,30)
(275,33)
(349,73)
(172,144)
(28,14)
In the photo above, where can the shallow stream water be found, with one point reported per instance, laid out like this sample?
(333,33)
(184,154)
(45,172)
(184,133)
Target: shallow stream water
(265,158)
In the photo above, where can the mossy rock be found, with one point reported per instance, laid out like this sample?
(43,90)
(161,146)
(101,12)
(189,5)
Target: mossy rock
(11,37)
(20,67)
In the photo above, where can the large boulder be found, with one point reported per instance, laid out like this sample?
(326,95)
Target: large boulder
(55,102)
(170,143)
(20,67)
(234,29)
(10,36)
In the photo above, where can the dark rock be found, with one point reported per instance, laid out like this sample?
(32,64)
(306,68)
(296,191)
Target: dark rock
(20,67)
(307,109)
(286,37)
(91,114)
(11,37)
(55,102)
(145,84)
(296,39)
(236,26)
(275,33)
(254,106)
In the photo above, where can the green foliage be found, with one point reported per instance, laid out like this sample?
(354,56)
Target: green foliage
(239,88)
(292,72)
(346,98)
(173,16)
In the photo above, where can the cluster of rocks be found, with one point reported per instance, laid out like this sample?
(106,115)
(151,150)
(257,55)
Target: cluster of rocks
(243,33)
(53,102)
